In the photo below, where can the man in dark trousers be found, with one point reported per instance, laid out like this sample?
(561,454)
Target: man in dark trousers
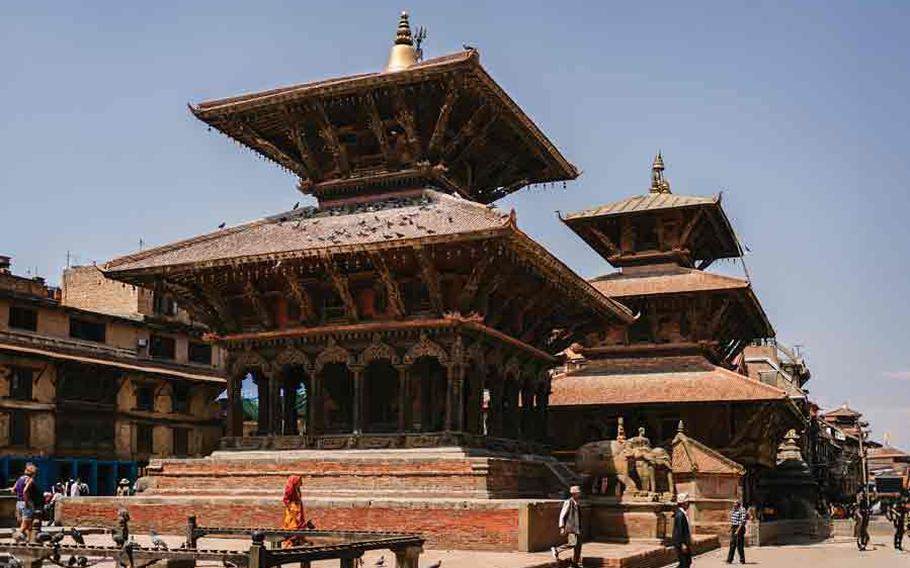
(900,521)
(682,533)
(738,517)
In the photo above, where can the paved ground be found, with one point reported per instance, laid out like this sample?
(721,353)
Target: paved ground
(824,555)
(840,554)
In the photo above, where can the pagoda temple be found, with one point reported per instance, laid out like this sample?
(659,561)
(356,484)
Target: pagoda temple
(680,359)
(419,320)
(401,298)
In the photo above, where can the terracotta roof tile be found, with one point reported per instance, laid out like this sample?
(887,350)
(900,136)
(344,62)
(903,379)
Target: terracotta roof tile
(661,380)
(647,202)
(426,215)
(691,456)
(621,285)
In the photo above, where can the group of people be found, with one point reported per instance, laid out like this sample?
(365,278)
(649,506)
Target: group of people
(33,505)
(570,529)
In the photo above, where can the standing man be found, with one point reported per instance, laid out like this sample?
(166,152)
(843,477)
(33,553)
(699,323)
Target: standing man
(682,533)
(738,518)
(900,521)
(570,527)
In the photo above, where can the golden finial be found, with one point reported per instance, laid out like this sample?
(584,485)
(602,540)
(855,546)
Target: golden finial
(403,52)
(659,184)
(620,431)
(681,428)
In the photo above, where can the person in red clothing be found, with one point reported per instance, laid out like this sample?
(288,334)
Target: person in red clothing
(294,518)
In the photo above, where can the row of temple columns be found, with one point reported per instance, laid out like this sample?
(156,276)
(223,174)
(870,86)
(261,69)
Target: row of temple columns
(515,409)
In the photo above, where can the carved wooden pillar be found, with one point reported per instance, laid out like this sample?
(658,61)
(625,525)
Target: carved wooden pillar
(264,396)
(315,418)
(235,405)
(405,405)
(526,421)
(455,398)
(495,418)
(275,407)
(357,411)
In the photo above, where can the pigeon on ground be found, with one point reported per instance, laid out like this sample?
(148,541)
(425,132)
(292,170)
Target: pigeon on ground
(381,561)
(18,536)
(77,536)
(157,542)
(43,537)
(436,565)
(310,525)
(71,562)
(58,537)
(82,562)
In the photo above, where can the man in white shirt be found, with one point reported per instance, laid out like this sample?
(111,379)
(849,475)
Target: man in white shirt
(570,527)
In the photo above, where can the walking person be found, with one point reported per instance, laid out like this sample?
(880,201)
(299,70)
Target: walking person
(900,522)
(31,498)
(570,527)
(861,521)
(738,518)
(682,532)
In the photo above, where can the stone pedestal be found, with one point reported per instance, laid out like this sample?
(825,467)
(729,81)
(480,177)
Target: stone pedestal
(622,520)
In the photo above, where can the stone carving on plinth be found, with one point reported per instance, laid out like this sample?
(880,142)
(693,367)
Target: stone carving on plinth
(627,468)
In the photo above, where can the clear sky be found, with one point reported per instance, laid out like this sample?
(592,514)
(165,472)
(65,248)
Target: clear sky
(797,111)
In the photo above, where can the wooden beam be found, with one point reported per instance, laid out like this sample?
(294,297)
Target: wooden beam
(255,296)
(467,129)
(329,135)
(340,282)
(599,235)
(378,127)
(256,140)
(472,285)
(478,137)
(442,121)
(405,117)
(394,300)
(690,226)
(302,297)
(306,153)
(430,277)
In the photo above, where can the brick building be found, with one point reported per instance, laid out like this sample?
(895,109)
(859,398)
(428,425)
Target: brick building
(99,377)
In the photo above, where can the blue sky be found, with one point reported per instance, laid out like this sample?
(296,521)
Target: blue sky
(796,111)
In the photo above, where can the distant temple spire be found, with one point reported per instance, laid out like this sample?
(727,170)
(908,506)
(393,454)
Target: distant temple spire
(403,53)
(659,184)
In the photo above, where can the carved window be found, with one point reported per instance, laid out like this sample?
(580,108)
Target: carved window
(332,306)
(162,347)
(20,429)
(85,431)
(145,398)
(23,318)
(164,305)
(180,398)
(88,330)
(181,442)
(20,387)
(145,438)
(199,353)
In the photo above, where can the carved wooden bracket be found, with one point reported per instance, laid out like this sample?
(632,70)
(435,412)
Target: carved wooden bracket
(340,282)
(430,277)
(392,289)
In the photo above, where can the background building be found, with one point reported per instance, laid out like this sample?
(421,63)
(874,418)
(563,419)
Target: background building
(99,377)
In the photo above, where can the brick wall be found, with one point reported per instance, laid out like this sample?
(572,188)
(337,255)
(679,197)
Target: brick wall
(469,525)
(86,287)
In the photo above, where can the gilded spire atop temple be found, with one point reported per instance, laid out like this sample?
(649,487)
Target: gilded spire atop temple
(659,184)
(403,52)
(620,431)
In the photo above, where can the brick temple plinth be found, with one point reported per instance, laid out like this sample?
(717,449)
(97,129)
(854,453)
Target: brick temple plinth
(455,497)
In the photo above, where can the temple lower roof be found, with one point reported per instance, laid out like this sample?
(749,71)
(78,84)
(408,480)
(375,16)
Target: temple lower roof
(424,216)
(676,281)
(689,379)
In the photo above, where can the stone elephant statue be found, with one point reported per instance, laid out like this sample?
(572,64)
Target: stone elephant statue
(605,459)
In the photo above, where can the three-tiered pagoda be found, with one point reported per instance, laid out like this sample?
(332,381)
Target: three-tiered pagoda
(681,358)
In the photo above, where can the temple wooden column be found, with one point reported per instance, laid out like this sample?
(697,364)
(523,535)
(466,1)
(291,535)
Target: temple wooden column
(357,410)
(235,405)
(262,392)
(404,401)
(275,408)
(526,413)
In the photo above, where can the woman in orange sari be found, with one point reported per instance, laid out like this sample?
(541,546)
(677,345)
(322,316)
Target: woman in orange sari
(294,519)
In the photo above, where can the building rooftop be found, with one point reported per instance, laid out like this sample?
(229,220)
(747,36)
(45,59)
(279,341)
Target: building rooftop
(655,381)
(443,119)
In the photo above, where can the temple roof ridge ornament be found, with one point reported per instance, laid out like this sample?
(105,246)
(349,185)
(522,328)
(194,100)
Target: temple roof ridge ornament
(403,54)
(659,184)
